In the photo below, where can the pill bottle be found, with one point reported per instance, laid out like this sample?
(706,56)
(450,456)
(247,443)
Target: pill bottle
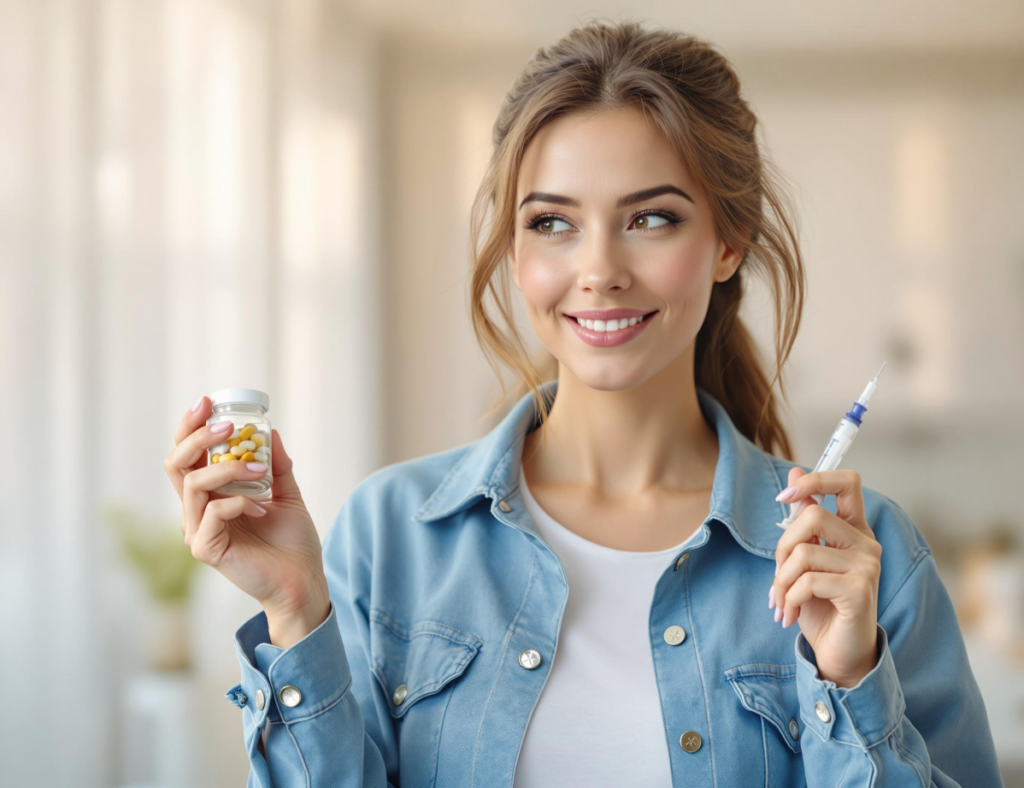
(249,441)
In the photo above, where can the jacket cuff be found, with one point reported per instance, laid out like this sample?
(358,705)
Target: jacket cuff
(316,666)
(863,715)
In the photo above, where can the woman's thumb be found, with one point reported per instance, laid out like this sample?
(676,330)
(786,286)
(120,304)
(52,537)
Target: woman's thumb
(284,485)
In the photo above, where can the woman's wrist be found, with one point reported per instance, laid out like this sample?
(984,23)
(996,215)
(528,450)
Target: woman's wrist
(857,675)
(289,624)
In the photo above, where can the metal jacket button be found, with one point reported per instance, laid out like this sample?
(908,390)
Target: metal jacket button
(400,692)
(260,700)
(529,659)
(504,506)
(290,696)
(822,711)
(681,560)
(675,635)
(690,741)
(794,729)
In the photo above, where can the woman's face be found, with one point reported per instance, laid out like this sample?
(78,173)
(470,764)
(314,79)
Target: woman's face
(587,239)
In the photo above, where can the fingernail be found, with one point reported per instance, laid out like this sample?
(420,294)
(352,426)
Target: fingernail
(785,493)
(785,621)
(776,570)
(221,426)
(260,508)
(771,597)
(198,403)
(778,615)
(258,467)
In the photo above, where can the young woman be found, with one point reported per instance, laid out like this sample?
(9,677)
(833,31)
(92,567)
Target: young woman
(578,598)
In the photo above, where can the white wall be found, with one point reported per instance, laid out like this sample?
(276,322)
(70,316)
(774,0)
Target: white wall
(187,202)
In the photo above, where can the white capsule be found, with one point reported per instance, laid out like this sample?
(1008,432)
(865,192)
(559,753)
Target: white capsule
(238,451)
(234,434)
(261,457)
(250,445)
(220,448)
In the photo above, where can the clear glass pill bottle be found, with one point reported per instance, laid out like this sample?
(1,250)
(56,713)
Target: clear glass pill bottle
(249,441)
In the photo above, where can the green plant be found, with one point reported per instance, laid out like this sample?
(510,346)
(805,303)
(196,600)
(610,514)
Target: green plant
(156,551)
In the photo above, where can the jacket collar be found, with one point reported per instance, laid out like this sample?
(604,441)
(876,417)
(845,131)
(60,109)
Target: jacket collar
(742,495)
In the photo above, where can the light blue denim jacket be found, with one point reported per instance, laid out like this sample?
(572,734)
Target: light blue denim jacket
(439,581)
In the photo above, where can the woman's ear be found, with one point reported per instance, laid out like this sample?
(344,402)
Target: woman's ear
(729,260)
(727,263)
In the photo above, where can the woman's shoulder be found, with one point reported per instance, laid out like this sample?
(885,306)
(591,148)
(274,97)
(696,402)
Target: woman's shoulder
(392,494)
(413,479)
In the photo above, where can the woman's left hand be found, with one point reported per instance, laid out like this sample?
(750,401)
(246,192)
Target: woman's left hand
(831,589)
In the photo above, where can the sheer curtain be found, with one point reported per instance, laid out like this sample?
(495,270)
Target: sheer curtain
(187,202)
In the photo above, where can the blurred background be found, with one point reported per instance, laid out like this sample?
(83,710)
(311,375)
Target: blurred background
(197,194)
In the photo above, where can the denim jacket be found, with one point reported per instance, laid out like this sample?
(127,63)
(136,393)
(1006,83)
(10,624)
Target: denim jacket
(440,584)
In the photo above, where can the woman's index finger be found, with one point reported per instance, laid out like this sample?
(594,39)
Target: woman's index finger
(844,484)
(191,421)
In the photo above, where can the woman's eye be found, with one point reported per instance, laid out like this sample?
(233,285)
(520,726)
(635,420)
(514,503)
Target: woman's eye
(643,221)
(547,225)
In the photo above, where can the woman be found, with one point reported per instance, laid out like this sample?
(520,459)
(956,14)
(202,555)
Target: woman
(626,197)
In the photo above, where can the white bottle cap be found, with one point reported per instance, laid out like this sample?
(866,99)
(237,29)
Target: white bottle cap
(250,396)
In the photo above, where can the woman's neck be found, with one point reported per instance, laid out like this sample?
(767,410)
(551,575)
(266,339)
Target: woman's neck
(622,444)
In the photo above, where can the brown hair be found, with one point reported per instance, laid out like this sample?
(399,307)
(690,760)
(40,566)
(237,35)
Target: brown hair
(692,93)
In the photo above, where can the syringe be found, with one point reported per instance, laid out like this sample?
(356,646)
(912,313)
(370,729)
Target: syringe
(837,447)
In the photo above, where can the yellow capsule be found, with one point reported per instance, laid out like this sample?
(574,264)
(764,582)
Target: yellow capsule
(227,458)
(248,457)
(246,432)
(234,442)
(214,458)
(258,440)
(238,451)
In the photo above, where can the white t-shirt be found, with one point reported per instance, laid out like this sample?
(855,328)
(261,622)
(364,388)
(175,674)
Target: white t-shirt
(598,720)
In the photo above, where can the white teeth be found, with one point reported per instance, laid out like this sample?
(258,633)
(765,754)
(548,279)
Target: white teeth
(609,325)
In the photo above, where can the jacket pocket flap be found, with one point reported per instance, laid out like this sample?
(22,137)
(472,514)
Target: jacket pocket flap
(423,657)
(770,691)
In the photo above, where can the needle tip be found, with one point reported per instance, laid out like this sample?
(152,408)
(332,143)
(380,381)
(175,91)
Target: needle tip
(880,370)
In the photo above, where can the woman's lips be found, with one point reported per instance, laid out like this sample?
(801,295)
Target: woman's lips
(609,339)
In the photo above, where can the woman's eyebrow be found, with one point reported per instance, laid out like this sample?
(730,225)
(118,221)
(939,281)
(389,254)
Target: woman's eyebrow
(629,199)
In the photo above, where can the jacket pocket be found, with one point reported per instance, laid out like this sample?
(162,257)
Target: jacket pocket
(769,692)
(417,660)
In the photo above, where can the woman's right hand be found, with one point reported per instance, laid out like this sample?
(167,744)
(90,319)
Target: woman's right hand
(275,556)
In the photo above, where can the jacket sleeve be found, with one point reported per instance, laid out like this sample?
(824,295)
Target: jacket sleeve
(917,719)
(311,729)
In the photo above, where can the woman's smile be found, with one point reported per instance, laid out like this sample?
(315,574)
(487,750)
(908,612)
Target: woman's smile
(601,335)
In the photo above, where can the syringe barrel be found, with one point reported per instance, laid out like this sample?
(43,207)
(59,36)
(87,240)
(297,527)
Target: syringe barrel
(838,445)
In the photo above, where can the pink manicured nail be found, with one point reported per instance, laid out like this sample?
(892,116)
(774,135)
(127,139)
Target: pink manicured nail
(785,493)
(785,621)
(771,597)
(260,508)
(778,615)
(198,403)
(221,426)
(258,467)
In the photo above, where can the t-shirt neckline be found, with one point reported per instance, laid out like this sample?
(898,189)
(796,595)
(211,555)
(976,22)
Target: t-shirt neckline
(593,547)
